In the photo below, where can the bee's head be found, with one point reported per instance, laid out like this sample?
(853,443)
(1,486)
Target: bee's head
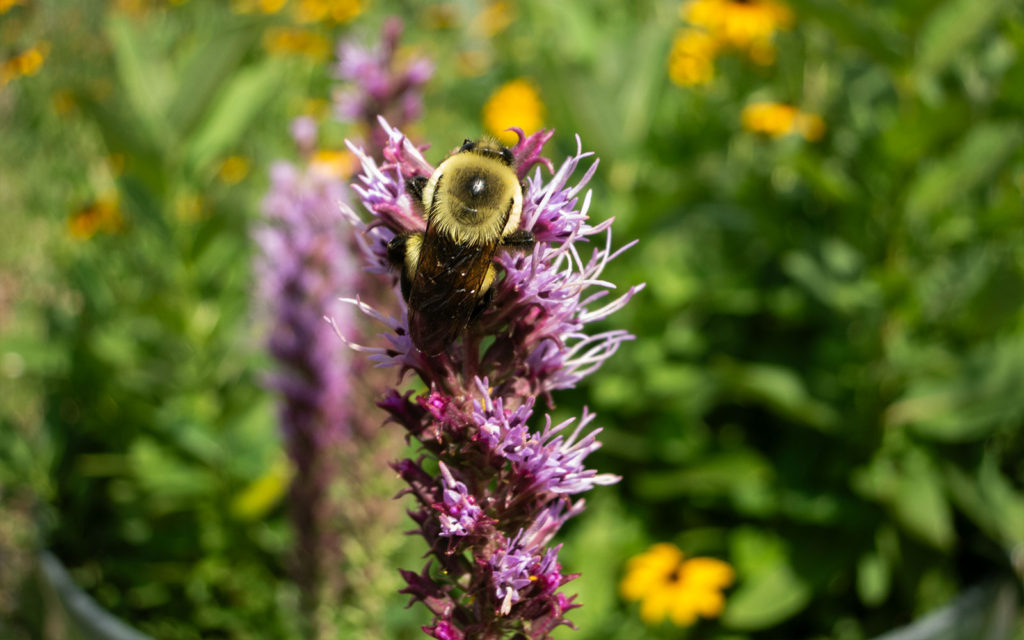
(476,191)
(488,147)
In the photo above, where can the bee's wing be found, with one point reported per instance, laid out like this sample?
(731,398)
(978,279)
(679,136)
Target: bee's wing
(445,290)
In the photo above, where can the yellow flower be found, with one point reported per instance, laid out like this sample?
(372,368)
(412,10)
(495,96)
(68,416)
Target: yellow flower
(514,104)
(284,40)
(233,170)
(691,61)
(102,214)
(339,164)
(263,493)
(337,11)
(26,63)
(776,119)
(495,18)
(267,7)
(747,25)
(7,5)
(668,585)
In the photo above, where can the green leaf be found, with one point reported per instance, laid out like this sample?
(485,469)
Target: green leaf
(172,482)
(234,111)
(766,600)
(720,474)
(609,527)
(983,396)
(770,591)
(951,28)
(778,388)
(205,70)
(145,76)
(985,148)
(1007,502)
(867,30)
(919,502)
(874,579)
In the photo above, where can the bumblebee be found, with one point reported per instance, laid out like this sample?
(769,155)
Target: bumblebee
(472,203)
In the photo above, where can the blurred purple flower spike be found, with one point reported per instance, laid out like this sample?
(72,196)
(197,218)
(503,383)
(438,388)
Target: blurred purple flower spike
(304,261)
(491,491)
(379,85)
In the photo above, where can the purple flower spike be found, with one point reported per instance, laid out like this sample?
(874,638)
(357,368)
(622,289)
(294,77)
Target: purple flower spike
(304,261)
(378,86)
(505,482)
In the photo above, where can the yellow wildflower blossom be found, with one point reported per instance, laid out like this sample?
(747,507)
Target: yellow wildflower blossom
(776,119)
(266,7)
(340,164)
(337,11)
(102,214)
(7,5)
(26,63)
(233,170)
(495,18)
(691,61)
(285,40)
(669,585)
(515,104)
(747,25)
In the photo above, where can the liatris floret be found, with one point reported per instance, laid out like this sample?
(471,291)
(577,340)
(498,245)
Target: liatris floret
(491,490)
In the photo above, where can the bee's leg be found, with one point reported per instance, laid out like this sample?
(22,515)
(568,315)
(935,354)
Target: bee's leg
(414,186)
(486,295)
(397,248)
(520,240)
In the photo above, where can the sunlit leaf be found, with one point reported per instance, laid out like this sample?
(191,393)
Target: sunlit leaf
(943,182)
(951,27)
(769,591)
(234,110)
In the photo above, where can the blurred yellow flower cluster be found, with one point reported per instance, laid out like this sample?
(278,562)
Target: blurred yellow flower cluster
(233,170)
(297,41)
(337,11)
(514,104)
(777,119)
(103,214)
(714,26)
(26,63)
(7,5)
(338,163)
(669,585)
(267,7)
(495,18)
(305,11)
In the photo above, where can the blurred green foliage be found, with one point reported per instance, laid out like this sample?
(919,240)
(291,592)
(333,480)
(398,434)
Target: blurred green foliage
(825,385)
